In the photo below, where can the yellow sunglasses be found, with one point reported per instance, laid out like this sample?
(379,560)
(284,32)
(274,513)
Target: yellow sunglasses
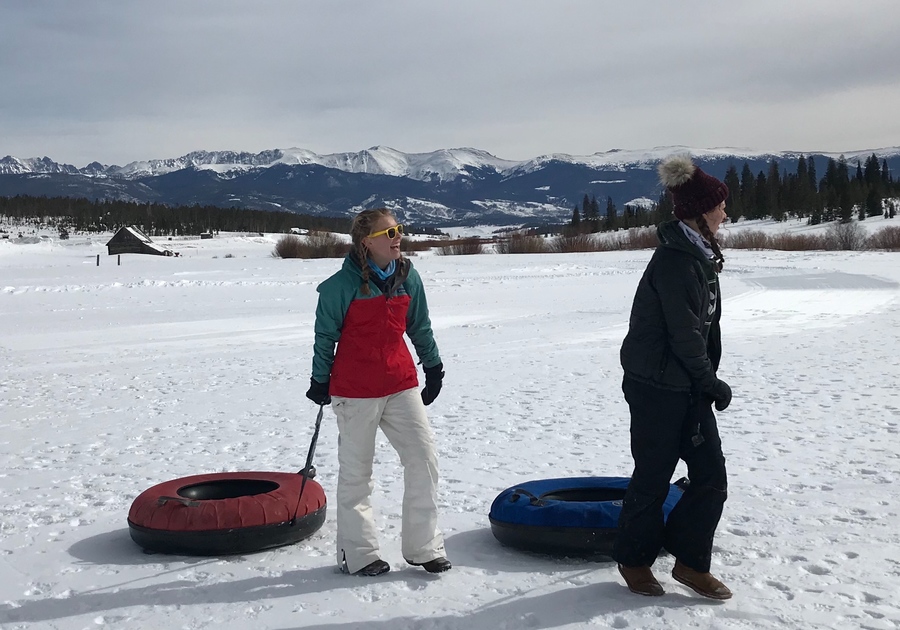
(391,231)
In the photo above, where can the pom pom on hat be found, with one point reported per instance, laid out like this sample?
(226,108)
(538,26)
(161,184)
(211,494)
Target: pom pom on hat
(694,193)
(676,170)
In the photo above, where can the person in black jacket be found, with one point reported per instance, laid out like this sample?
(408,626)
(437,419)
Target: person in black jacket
(670,357)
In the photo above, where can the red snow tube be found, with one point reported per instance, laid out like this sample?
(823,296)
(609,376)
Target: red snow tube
(226,513)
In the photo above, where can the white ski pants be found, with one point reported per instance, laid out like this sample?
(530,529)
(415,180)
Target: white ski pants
(403,420)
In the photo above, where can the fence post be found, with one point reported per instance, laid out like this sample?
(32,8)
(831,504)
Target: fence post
(119,259)
(98,260)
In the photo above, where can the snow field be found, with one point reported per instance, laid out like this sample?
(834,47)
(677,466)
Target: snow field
(120,377)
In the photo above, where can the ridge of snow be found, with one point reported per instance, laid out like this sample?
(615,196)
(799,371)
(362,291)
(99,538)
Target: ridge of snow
(441,165)
(10,165)
(640,202)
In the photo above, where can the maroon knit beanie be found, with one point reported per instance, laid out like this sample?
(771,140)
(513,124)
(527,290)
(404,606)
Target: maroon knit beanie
(694,193)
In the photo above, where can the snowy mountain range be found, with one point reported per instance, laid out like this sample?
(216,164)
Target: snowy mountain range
(444,187)
(440,165)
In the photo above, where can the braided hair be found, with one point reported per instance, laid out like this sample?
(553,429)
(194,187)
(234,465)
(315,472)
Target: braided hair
(705,232)
(360,229)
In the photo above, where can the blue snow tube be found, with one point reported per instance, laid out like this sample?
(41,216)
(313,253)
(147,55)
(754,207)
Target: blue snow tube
(576,516)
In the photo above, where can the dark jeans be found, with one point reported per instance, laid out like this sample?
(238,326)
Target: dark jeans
(666,426)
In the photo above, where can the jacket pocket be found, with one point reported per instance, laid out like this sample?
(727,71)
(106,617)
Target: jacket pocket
(663,362)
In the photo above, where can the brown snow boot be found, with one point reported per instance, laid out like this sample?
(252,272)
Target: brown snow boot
(702,583)
(640,580)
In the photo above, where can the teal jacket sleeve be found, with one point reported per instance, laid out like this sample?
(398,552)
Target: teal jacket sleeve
(334,300)
(418,323)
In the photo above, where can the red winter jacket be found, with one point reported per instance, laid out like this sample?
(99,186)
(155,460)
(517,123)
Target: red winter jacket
(372,358)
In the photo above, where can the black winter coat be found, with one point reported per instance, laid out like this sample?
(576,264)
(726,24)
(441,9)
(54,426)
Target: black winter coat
(674,340)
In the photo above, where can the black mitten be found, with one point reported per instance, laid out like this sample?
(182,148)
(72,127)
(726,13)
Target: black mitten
(318,392)
(721,394)
(434,377)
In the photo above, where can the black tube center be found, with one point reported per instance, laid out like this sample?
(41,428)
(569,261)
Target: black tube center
(226,489)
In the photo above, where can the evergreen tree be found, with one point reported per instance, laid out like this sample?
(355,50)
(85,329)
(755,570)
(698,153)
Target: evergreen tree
(761,208)
(872,188)
(628,217)
(813,179)
(873,206)
(845,194)
(872,173)
(611,213)
(588,213)
(802,169)
(804,200)
(748,192)
(790,194)
(829,198)
(858,188)
(828,191)
(576,221)
(773,192)
(735,209)
(664,207)
(831,174)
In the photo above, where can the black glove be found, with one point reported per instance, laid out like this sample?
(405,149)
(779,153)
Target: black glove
(318,392)
(721,394)
(434,377)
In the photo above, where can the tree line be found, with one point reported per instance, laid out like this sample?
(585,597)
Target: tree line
(590,219)
(156,219)
(773,192)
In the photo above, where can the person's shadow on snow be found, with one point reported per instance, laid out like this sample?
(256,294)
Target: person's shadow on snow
(468,550)
(176,593)
(478,548)
(573,605)
(116,548)
(295,583)
(566,606)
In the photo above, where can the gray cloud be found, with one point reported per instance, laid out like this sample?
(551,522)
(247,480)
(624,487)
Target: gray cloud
(124,81)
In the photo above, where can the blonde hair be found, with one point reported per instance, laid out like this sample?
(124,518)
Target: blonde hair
(360,229)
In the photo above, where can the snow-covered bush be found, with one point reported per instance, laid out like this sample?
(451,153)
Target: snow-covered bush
(887,238)
(461,247)
(316,245)
(846,236)
(519,243)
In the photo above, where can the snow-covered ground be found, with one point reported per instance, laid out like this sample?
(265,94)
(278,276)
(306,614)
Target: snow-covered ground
(767,226)
(119,377)
(801,226)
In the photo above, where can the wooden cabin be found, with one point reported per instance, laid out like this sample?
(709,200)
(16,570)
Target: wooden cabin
(131,240)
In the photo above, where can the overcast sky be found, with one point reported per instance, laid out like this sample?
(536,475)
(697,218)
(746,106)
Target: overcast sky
(123,81)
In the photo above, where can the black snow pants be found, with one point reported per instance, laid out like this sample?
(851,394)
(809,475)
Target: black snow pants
(665,426)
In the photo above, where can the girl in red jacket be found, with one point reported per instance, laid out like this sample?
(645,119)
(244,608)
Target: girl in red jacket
(371,382)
